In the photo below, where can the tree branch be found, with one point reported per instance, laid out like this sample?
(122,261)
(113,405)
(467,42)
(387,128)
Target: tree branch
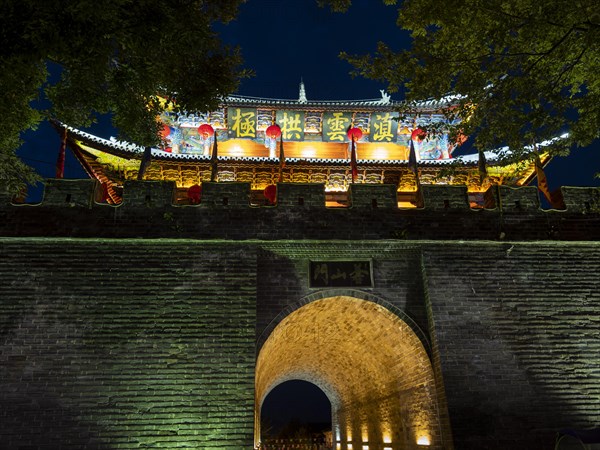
(551,49)
(568,68)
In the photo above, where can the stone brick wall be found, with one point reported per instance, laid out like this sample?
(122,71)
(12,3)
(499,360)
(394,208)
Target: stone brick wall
(150,194)
(225,213)
(70,193)
(300,195)
(126,344)
(225,195)
(583,200)
(373,196)
(517,326)
(114,342)
(445,197)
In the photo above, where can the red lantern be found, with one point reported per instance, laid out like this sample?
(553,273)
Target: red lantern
(270,193)
(194,193)
(273,131)
(164,131)
(206,131)
(355,133)
(418,134)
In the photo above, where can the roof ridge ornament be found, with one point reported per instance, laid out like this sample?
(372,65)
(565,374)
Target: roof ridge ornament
(385,97)
(302,95)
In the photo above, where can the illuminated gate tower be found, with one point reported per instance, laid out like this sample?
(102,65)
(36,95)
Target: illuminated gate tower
(316,145)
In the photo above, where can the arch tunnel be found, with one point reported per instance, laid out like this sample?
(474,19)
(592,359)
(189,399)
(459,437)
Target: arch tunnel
(370,363)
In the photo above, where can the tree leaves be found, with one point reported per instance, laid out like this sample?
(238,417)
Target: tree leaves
(111,56)
(531,68)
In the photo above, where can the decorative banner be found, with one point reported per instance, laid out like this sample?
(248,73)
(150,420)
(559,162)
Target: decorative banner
(292,125)
(335,125)
(241,122)
(180,137)
(384,127)
(340,274)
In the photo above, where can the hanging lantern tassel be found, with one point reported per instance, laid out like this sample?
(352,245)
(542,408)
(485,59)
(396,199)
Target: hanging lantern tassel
(60,161)
(271,134)
(281,159)
(207,135)
(146,158)
(354,134)
(214,162)
(353,165)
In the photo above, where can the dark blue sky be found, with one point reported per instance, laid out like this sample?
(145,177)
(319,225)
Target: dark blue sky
(284,40)
(295,399)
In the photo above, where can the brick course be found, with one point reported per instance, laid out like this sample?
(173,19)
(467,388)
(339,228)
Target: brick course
(114,342)
(225,213)
(126,344)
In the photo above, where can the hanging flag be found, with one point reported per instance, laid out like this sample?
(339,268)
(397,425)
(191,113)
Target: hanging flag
(281,158)
(482,167)
(60,161)
(353,166)
(144,163)
(413,167)
(213,161)
(542,181)
(419,135)
(412,160)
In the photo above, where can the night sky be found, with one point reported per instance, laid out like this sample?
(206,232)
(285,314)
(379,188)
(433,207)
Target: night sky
(286,40)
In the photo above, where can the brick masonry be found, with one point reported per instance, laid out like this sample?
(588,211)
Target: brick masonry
(517,326)
(113,341)
(126,344)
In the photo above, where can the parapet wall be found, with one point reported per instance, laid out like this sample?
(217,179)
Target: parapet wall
(84,193)
(226,210)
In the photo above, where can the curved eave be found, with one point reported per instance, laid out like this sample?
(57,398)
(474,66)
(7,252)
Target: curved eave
(129,151)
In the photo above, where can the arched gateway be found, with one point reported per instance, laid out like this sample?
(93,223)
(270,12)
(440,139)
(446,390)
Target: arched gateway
(370,363)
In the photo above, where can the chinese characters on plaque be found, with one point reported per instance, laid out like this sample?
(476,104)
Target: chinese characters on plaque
(384,127)
(292,125)
(335,126)
(325,126)
(242,122)
(340,274)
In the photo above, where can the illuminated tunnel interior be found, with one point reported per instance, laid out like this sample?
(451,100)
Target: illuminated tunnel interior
(369,363)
